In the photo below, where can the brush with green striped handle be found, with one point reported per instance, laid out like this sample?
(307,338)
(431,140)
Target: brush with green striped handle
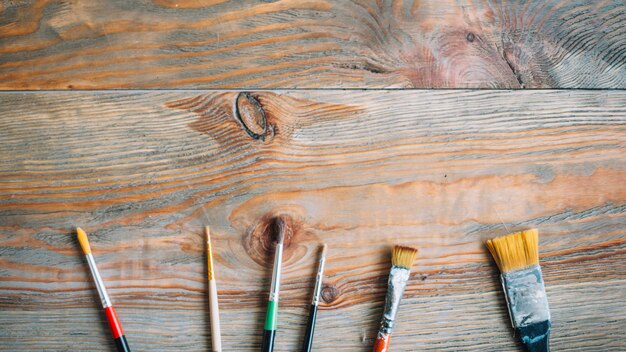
(271,317)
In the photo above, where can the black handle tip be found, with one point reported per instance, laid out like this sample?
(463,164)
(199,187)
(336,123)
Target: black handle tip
(307,345)
(268,340)
(122,344)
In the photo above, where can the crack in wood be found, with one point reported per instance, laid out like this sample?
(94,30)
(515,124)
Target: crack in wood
(515,72)
(364,67)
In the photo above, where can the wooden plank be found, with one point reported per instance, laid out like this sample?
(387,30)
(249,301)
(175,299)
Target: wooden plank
(143,172)
(47,44)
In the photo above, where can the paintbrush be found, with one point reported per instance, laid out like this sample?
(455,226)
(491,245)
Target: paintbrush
(401,260)
(216,336)
(271,317)
(310,327)
(114,323)
(517,256)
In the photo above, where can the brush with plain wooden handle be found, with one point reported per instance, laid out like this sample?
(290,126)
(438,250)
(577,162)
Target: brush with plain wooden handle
(216,336)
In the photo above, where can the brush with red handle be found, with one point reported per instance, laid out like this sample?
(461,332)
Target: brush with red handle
(114,323)
(401,260)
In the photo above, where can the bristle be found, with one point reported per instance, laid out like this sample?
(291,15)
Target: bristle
(207,231)
(324,248)
(403,256)
(282,227)
(515,251)
(83,240)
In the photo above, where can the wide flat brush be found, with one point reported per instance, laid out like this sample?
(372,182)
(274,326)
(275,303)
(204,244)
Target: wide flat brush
(401,260)
(517,256)
(216,336)
(271,317)
(114,323)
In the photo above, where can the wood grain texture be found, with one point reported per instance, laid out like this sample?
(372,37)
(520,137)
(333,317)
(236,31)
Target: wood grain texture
(143,172)
(48,44)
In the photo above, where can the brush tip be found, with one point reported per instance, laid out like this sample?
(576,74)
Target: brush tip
(515,251)
(324,249)
(282,226)
(209,250)
(83,240)
(403,256)
(280,238)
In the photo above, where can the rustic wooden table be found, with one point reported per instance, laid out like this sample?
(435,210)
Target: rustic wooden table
(359,169)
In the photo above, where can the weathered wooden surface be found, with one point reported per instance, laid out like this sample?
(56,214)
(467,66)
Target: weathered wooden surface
(143,172)
(46,44)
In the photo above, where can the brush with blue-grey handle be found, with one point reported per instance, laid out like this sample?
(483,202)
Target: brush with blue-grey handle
(517,256)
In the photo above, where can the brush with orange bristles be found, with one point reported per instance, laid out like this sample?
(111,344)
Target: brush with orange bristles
(401,260)
(517,257)
(114,323)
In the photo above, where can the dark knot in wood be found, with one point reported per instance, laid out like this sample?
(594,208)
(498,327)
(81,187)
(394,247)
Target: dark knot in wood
(330,293)
(260,242)
(250,113)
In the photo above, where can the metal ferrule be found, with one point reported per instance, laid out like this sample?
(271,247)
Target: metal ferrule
(525,296)
(398,277)
(102,291)
(278,260)
(318,282)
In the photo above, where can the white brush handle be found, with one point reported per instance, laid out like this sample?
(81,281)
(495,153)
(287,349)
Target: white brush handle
(216,336)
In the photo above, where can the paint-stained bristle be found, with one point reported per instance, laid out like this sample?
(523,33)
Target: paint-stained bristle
(515,251)
(324,248)
(209,253)
(403,256)
(83,240)
(282,227)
